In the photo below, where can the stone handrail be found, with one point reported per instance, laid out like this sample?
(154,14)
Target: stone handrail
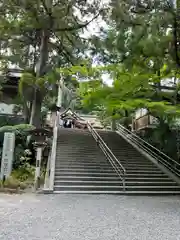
(50,170)
(47,175)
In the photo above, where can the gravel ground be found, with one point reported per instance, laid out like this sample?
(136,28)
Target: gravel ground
(89,217)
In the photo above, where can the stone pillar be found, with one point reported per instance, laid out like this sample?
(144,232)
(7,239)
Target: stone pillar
(7,155)
(53,118)
(59,99)
(39,148)
(133,124)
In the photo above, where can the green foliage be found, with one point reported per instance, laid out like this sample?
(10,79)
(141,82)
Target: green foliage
(139,34)
(19,179)
(40,36)
(164,138)
(17,129)
(21,132)
(24,174)
(141,48)
(23,22)
(131,90)
(18,153)
(22,157)
(11,183)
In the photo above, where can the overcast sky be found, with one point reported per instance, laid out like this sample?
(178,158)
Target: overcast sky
(94,29)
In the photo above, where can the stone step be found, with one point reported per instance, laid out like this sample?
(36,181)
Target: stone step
(115,188)
(133,193)
(103,162)
(86,161)
(110,170)
(112,178)
(79,152)
(91,166)
(113,183)
(107,174)
(97,151)
(100,170)
(96,161)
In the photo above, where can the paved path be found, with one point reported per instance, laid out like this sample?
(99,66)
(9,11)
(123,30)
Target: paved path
(83,217)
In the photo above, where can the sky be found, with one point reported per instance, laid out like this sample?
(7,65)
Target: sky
(94,29)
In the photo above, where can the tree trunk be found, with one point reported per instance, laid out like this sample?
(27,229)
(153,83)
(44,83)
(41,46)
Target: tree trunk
(126,122)
(26,111)
(176,40)
(35,118)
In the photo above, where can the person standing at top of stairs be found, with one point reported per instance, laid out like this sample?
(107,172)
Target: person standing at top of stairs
(67,123)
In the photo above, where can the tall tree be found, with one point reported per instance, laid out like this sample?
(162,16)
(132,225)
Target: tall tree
(142,35)
(39,33)
(141,32)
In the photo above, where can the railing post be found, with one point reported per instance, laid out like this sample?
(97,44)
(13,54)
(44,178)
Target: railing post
(113,122)
(113,125)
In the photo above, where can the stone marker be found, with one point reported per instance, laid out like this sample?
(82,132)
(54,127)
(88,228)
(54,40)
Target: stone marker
(7,155)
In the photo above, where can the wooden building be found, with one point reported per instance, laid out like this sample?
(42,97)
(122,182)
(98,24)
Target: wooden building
(9,91)
(142,120)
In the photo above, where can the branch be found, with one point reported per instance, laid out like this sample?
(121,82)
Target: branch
(64,51)
(28,6)
(175,41)
(140,9)
(71,41)
(57,3)
(67,55)
(46,8)
(79,26)
(49,13)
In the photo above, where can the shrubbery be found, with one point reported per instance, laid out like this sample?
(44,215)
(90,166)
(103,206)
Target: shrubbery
(21,132)
(24,158)
(23,172)
(20,129)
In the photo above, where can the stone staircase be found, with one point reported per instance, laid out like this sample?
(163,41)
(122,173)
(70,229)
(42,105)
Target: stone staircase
(142,176)
(81,167)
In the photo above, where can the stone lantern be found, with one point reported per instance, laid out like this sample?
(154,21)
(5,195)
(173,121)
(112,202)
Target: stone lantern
(40,135)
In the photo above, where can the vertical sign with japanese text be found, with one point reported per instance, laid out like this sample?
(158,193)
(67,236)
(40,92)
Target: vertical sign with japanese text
(7,154)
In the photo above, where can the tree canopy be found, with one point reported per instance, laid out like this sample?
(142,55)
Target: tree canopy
(138,48)
(39,36)
(140,52)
